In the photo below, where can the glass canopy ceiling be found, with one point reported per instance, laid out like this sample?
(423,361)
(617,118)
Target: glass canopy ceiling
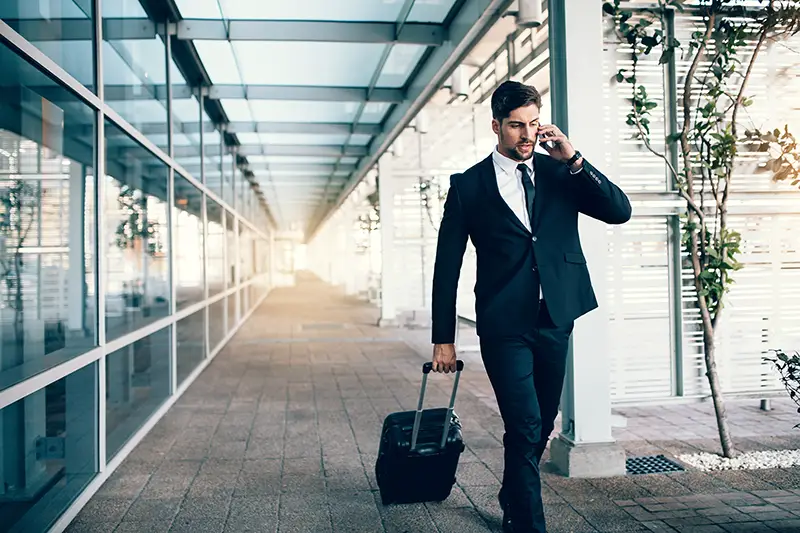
(310,91)
(312,68)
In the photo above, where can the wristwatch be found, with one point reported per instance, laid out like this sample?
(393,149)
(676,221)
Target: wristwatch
(574,158)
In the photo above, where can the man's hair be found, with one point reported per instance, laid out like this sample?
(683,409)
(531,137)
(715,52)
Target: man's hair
(511,95)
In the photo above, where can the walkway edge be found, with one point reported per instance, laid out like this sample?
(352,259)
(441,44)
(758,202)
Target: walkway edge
(91,489)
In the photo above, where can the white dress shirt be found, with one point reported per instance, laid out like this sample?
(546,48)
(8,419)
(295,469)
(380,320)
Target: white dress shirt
(509,182)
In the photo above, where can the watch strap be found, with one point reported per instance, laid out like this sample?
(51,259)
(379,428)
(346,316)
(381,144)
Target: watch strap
(574,158)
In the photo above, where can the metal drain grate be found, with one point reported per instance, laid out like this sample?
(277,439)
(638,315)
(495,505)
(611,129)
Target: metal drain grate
(652,464)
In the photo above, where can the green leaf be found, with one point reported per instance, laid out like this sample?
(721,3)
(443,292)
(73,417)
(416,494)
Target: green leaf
(609,9)
(649,41)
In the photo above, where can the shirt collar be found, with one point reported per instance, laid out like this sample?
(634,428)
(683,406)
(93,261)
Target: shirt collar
(508,165)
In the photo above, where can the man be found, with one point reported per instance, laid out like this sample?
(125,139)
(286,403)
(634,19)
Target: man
(520,208)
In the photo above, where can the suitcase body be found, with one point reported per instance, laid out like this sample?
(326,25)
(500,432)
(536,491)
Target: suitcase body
(419,451)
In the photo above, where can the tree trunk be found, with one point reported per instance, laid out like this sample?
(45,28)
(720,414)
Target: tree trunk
(19,316)
(725,439)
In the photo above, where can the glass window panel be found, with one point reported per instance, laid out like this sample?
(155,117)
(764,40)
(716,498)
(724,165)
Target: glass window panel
(134,74)
(237,110)
(361,10)
(123,9)
(189,256)
(47,211)
(211,155)
(242,302)
(430,10)
(216,323)
(374,112)
(137,383)
(216,248)
(191,339)
(232,319)
(219,61)
(227,177)
(350,160)
(47,451)
(297,111)
(39,21)
(136,235)
(231,240)
(360,139)
(241,189)
(245,254)
(402,61)
(304,63)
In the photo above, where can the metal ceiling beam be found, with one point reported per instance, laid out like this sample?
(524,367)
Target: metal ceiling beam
(67,29)
(303,127)
(298,150)
(308,128)
(282,167)
(302,150)
(118,29)
(315,93)
(473,19)
(115,93)
(191,67)
(316,31)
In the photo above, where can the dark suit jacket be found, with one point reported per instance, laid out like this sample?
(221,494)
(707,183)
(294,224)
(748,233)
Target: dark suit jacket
(512,261)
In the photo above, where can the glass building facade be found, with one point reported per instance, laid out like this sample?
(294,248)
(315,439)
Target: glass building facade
(123,273)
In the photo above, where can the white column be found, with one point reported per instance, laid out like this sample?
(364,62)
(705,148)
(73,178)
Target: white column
(388,276)
(585,447)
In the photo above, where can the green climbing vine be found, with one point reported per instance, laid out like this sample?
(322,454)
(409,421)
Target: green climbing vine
(710,134)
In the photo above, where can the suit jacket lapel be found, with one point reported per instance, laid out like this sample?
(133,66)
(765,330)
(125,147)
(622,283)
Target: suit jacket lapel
(493,194)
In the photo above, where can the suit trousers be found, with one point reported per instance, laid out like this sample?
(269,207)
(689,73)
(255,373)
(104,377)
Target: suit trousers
(527,375)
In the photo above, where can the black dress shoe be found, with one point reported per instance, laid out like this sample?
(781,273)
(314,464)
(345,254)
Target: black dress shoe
(508,527)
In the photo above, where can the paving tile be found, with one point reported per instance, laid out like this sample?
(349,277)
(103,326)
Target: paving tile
(282,431)
(148,510)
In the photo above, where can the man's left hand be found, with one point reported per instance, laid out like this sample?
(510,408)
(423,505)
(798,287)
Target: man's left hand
(561,150)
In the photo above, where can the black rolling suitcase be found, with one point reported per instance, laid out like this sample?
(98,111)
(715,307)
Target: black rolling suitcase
(419,450)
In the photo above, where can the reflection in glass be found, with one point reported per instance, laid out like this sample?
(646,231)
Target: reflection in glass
(136,235)
(216,248)
(191,344)
(47,284)
(216,323)
(47,451)
(188,213)
(135,75)
(43,25)
(186,128)
(212,145)
(227,177)
(137,383)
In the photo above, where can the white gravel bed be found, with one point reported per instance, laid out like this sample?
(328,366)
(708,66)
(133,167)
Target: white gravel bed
(743,461)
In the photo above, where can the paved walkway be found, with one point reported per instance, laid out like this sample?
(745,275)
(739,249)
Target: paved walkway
(280,433)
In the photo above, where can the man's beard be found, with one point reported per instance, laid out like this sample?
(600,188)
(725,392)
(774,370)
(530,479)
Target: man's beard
(516,150)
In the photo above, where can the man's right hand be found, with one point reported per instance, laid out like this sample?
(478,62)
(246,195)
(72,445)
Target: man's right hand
(444,358)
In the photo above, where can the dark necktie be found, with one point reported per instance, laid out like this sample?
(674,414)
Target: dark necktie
(530,191)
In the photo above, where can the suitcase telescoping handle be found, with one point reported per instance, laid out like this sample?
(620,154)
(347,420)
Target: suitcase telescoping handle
(426,369)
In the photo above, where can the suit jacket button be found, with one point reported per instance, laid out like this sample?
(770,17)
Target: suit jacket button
(534,238)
